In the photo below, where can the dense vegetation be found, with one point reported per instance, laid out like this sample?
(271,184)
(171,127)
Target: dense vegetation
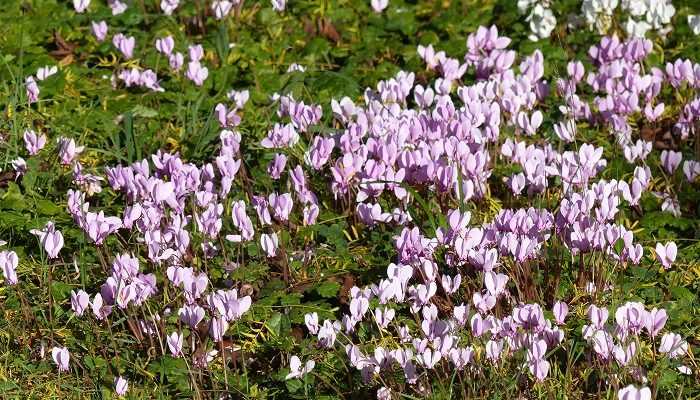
(341,198)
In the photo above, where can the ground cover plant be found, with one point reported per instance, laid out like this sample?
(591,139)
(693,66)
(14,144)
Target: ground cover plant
(338,199)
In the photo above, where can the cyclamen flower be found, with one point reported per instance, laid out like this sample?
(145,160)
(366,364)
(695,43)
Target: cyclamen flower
(631,392)
(61,357)
(79,302)
(673,345)
(169,6)
(379,5)
(80,5)
(560,311)
(165,45)
(99,30)
(221,8)
(32,90)
(279,5)
(117,6)
(175,343)
(50,239)
(68,150)
(8,266)
(33,142)
(121,386)
(176,60)
(197,73)
(269,243)
(125,44)
(666,254)
(297,370)
(45,72)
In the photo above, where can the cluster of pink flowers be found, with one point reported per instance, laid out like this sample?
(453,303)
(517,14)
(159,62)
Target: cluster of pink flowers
(442,139)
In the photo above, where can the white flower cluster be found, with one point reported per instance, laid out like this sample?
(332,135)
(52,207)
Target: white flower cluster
(642,15)
(541,18)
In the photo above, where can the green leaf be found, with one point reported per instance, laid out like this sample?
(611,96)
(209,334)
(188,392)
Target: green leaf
(328,289)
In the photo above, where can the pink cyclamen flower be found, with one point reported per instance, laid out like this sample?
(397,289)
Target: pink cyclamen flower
(33,142)
(175,343)
(117,6)
(670,160)
(121,386)
(68,150)
(296,368)
(221,8)
(61,357)
(45,72)
(8,266)
(560,311)
(169,6)
(269,244)
(99,30)
(176,60)
(379,5)
(80,5)
(279,5)
(666,254)
(32,90)
(197,73)
(79,301)
(196,52)
(50,238)
(125,44)
(631,392)
(165,45)
(20,166)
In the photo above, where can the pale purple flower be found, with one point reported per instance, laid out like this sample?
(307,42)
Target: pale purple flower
(279,5)
(32,90)
(655,321)
(176,60)
(79,301)
(117,6)
(196,52)
(560,311)
(175,343)
(45,72)
(221,8)
(80,5)
(165,45)
(239,97)
(121,386)
(125,44)
(217,328)
(168,6)
(197,73)
(269,243)
(673,345)
(296,368)
(191,315)
(670,160)
(99,30)
(311,322)
(33,142)
(379,5)
(276,166)
(631,392)
(50,238)
(20,166)
(61,357)
(666,254)
(68,150)
(8,266)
